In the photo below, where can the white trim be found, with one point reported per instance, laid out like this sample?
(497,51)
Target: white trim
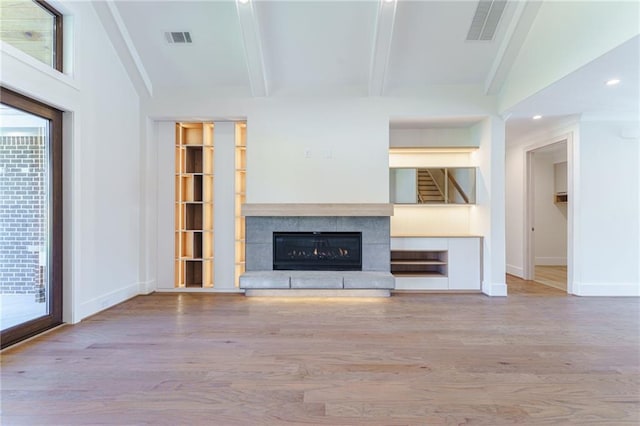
(106,301)
(570,136)
(147,287)
(515,35)
(124,33)
(252,44)
(45,69)
(607,290)
(515,270)
(72,215)
(551,261)
(494,289)
(381,52)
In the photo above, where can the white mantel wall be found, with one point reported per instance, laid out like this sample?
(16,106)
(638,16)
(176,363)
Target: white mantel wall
(101,161)
(317,152)
(322,150)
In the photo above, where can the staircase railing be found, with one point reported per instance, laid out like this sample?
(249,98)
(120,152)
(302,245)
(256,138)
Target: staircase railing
(457,186)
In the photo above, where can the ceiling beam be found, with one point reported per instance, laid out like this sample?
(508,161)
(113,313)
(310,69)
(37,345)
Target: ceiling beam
(382,47)
(523,17)
(119,36)
(252,47)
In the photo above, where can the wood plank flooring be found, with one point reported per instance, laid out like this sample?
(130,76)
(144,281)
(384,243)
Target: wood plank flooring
(536,357)
(553,276)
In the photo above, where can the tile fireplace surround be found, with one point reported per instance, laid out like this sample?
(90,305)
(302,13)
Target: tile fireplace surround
(372,220)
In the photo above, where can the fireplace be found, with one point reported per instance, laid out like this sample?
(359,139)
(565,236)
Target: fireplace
(317,251)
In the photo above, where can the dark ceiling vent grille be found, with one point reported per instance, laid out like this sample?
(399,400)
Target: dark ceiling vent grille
(485,21)
(178,37)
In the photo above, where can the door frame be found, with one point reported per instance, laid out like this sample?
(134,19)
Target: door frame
(529,206)
(54,317)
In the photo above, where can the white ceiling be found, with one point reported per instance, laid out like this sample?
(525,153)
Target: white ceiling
(359,48)
(585,92)
(216,57)
(317,46)
(429,46)
(311,47)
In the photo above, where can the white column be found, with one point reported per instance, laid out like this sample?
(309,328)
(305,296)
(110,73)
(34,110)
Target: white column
(488,216)
(224,206)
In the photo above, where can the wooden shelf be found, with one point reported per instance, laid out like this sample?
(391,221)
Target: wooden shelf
(419,262)
(240,197)
(194,207)
(561,198)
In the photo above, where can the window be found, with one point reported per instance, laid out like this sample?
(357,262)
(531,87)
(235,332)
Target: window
(33,27)
(30,217)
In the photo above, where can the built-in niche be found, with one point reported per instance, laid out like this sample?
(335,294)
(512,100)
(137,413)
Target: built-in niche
(432,185)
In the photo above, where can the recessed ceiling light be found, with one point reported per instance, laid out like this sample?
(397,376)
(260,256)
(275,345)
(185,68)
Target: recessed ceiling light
(613,82)
(537,117)
(244,1)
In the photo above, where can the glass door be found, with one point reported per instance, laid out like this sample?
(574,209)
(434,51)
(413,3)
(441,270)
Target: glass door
(30,217)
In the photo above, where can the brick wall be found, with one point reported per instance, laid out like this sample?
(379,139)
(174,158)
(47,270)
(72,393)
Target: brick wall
(23,213)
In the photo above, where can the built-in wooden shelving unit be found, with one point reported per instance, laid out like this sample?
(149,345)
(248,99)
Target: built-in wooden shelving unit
(419,262)
(194,205)
(240,180)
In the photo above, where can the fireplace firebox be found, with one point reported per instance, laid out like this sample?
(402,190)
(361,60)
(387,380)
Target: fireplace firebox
(317,251)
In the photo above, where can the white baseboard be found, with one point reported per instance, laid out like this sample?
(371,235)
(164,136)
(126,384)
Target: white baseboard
(147,287)
(93,306)
(494,289)
(515,270)
(606,289)
(551,261)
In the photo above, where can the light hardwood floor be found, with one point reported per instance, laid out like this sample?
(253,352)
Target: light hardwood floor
(553,276)
(535,357)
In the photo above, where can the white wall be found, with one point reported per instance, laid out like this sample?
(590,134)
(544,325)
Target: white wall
(317,152)
(608,241)
(550,218)
(165,135)
(432,221)
(604,239)
(514,203)
(101,162)
(432,137)
(322,149)
(515,190)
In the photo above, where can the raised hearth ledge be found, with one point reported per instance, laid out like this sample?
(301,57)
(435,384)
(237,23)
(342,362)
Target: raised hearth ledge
(317,293)
(295,209)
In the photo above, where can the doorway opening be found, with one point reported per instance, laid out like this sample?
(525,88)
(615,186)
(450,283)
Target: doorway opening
(547,223)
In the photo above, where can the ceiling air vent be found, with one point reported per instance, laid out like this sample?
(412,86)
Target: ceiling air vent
(178,37)
(485,21)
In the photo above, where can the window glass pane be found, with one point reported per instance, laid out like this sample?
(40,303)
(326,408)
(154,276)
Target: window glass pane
(29,27)
(24,216)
